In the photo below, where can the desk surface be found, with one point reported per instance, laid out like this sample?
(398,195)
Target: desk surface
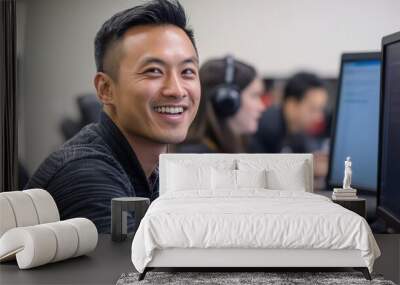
(102,266)
(110,259)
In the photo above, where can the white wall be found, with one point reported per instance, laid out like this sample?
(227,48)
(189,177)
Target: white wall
(282,36)
(278,37)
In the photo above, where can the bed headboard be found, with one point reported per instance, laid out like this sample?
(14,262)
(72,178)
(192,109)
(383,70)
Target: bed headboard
(232,160)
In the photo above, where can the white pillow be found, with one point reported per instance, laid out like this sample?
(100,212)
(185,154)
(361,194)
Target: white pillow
(282,174)
(291,179)
(251,178)
(223,179)
(181,177)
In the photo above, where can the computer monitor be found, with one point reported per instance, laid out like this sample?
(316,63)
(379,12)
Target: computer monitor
(388,202)
(355,127)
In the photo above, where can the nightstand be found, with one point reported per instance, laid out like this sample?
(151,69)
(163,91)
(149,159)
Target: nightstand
(357,206)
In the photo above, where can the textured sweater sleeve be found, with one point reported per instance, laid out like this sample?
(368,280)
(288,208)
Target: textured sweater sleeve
(85,187)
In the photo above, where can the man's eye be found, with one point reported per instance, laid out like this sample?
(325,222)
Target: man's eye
(189,72)
(153,71)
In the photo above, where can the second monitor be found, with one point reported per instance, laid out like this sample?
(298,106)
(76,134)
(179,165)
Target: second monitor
(356,122)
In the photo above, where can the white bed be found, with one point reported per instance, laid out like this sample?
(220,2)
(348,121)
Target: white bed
(216,224)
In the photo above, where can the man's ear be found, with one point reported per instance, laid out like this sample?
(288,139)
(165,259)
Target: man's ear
(105,88)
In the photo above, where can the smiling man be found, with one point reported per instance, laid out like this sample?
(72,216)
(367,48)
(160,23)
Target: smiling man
(147,80)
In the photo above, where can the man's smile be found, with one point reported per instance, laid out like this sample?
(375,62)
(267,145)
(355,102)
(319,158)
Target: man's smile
(170,109)
(171,113)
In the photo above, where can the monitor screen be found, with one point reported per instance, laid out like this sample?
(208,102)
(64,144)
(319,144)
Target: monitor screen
(356,129)
(389,194)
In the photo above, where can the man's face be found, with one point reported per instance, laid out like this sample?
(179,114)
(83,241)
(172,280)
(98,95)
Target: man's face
(311,108)
(157,89)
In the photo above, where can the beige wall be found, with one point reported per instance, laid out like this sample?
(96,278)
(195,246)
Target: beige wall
(279,37)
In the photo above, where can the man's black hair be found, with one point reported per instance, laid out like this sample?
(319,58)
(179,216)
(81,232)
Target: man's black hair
(298,85)
(156,12)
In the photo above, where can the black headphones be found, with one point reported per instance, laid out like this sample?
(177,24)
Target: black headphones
(225,98)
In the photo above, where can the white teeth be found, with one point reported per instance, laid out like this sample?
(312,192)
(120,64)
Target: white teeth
(169,110)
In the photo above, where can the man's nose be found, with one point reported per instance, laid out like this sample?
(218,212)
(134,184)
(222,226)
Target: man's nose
(173,86)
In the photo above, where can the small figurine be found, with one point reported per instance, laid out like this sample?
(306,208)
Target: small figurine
(347,174)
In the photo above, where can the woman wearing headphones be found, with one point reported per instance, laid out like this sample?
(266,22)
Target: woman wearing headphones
(229,109)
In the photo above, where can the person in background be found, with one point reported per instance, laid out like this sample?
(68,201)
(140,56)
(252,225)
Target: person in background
(230,108)
(285,127)
(148,83)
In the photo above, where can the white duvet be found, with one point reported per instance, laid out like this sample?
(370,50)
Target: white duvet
(253,218)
